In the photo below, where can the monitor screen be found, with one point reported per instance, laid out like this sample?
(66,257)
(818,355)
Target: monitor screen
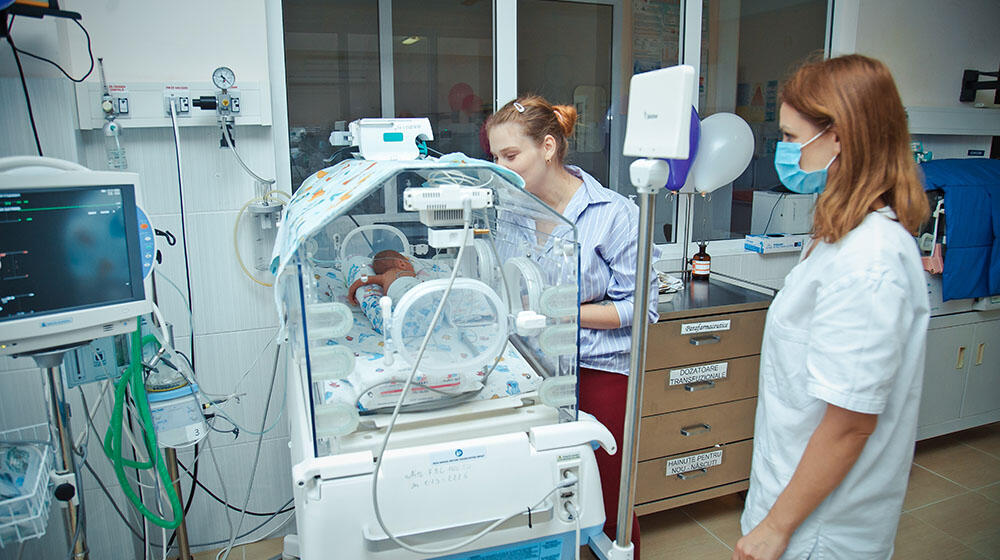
(67,249)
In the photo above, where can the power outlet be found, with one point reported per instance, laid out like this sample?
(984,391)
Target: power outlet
(570,493)
(181,97)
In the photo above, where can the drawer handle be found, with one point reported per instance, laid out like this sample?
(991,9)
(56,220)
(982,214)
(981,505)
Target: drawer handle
(960,363)
(692,474)
(699,385)
(705,339)
(695,429)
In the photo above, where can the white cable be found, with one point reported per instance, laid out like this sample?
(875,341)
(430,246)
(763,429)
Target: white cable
(253,472)
(222,483)
(395,414)
(225,139)
(187,306)
(576,515)
(167,340)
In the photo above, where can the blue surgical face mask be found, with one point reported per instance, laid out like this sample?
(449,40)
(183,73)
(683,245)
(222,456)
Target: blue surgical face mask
(787,156)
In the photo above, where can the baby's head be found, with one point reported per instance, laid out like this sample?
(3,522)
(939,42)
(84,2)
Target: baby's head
(384,261)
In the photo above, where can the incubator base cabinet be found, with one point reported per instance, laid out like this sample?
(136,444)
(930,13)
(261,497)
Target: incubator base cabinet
(432,322)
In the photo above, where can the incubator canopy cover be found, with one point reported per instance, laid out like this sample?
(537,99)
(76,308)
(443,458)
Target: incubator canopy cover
(507,335)
(70,258)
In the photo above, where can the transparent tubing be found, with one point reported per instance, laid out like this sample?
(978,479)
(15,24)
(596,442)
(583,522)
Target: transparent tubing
(637,368)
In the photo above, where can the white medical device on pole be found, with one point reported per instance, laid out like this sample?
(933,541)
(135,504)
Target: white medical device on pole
(659,120)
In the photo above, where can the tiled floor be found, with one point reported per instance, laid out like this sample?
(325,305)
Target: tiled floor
(951,512)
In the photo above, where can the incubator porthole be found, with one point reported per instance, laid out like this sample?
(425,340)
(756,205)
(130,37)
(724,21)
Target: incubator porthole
(470,332)
(524,282)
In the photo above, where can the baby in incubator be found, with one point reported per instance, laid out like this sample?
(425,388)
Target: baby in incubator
(388,273)
(392,271)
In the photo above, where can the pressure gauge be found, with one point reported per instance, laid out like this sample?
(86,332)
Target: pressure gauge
(223,78)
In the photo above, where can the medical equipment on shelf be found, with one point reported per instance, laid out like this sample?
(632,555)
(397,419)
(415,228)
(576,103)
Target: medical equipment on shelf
(472,371)
(77,251)
(781,212)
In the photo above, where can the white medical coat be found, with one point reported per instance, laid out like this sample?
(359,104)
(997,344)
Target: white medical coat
(848,328)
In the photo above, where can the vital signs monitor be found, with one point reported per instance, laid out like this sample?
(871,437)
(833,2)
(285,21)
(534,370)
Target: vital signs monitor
(74,248)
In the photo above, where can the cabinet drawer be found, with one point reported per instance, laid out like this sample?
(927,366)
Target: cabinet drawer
(692,340)
(652,482)
(740,382)
(669,434)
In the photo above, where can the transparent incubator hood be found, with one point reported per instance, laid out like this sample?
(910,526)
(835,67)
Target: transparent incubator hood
(506,336)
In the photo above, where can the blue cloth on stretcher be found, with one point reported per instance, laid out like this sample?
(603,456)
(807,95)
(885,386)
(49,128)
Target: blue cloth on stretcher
(972,217)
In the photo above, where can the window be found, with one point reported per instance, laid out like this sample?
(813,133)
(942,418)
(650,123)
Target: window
(446,60)
(332,75)
(750,47)
(571,67)
(442,66)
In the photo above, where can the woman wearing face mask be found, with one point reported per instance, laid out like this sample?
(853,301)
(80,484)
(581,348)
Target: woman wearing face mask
(529,136)
(843,352)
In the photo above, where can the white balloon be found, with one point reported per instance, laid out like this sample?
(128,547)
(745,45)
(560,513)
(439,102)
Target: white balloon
(724,151)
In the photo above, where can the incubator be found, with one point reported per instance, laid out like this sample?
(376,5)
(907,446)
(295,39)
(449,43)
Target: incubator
(464,321)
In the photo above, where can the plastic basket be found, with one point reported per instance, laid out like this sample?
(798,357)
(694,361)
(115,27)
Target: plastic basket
(26,516)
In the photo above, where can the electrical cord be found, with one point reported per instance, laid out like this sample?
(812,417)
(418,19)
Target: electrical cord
(114,504)
(90,51)
(230,506)
(776,202)
(180,196)
(406,387)
(571,509)
(332,160)
(24,86)
(253,471)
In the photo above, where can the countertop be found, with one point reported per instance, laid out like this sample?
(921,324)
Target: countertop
(721,296)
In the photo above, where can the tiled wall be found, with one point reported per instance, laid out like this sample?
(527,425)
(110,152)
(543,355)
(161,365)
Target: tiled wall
(234,319)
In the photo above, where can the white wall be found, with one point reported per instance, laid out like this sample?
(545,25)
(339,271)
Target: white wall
(147,41)
(928,43)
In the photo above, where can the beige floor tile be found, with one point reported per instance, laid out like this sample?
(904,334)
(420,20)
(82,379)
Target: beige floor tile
(916,540)
(720,516)
(970,518)
(984,438)
(992,492)
(965,465)
(672,534)
(926,487)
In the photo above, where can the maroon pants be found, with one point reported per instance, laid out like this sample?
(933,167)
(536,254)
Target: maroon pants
(603,394)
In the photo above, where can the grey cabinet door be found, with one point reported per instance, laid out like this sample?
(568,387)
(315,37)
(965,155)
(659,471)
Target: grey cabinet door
(947,363)
(982,392)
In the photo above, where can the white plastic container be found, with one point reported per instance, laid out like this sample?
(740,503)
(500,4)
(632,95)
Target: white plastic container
(177,417)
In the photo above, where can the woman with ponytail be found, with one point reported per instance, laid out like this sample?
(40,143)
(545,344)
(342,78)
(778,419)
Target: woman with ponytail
(530,137)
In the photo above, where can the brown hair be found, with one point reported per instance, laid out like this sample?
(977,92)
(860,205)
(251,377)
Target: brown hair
(855,97)
(538,118)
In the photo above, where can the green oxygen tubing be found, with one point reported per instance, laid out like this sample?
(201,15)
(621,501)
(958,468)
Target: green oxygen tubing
(132,380)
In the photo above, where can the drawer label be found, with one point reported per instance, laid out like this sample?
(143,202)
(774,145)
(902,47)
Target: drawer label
(695,374)
(707,326)
(694,462)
